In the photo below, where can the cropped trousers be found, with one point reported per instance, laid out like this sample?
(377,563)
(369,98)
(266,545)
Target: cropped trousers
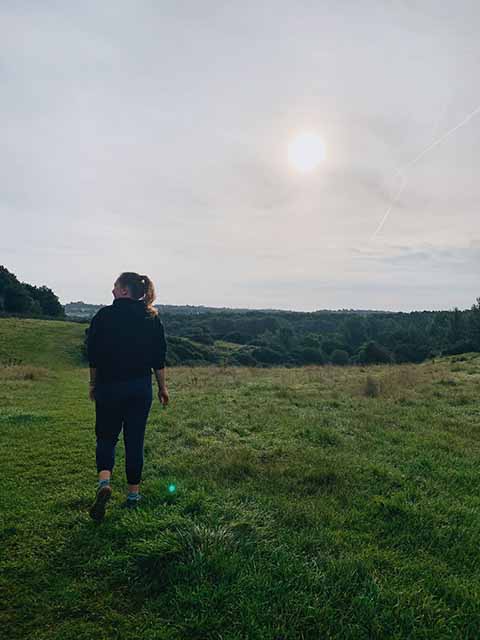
(126,404)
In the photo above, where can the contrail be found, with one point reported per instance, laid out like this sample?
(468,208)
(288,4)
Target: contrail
(417,158)
(393,203)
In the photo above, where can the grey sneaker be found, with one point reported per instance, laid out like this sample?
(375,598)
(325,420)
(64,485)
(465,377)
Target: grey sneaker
(97,510)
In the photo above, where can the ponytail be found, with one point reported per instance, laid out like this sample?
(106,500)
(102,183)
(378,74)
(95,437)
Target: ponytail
(149,295)
(141,288)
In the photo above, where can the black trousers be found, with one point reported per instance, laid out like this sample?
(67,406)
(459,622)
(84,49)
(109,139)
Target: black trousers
(124,404)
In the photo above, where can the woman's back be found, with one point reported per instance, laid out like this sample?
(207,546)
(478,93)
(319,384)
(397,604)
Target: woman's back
(125,341)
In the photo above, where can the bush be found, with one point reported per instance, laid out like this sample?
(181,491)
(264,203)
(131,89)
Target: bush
(242,357)
(307,355)
(330,344)
(268,356)
(410,353)
(237,337)
(201,338)
(339,357)
(461,346)
(183,350)
(372,387)
(374,353)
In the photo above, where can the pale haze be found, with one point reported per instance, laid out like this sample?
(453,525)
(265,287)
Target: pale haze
(154,137)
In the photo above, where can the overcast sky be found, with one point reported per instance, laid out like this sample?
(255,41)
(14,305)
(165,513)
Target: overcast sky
(153,136)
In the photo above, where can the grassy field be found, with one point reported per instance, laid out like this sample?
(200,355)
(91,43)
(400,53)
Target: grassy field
(311,503)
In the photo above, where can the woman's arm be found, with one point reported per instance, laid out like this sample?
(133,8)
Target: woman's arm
(159,360)
(92,341)
(160,376)
(92,356)
(162,386)
(159,351)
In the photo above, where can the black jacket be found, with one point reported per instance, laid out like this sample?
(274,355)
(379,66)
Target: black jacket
(125,342)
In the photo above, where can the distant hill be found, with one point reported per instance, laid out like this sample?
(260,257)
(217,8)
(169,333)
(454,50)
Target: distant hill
(82,309)
(57,344)
(261,339)
(44,343)
(294,338)
(264,337)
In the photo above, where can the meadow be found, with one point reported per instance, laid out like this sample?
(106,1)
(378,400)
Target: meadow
(314,502)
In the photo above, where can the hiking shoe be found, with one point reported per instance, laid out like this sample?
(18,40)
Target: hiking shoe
(132,504)
(97,510)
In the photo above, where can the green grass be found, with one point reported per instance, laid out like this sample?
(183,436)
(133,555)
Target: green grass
(305,509)
(52,343)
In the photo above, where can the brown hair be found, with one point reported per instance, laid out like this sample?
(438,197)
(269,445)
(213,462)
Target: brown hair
(140,287)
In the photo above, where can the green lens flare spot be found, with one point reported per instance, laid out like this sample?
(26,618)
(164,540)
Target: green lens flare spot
(172,488)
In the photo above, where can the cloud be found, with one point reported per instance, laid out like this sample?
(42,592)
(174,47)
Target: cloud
(157,135)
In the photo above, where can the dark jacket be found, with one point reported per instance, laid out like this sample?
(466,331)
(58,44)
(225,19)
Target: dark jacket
(125,342)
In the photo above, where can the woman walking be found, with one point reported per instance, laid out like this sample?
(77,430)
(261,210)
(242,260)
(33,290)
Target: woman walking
(125,341)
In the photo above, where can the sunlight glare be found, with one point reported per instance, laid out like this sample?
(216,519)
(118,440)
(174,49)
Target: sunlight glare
(306,151)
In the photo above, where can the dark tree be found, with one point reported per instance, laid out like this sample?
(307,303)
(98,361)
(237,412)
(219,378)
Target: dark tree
(374,353)
(456,328)
(354,331)
(48,301)
(474,324)
(339,357)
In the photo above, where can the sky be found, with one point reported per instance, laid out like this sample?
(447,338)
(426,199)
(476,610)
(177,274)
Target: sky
(153,136)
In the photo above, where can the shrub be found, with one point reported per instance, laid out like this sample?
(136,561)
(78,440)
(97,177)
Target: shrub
(374,353)
(339,357)
(243,357)
(461,346)
(309,355)
(371,388)
(268,356)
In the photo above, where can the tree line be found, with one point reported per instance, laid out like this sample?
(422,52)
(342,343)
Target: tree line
(322,337)
(288,338)
(22,298)
(259,338)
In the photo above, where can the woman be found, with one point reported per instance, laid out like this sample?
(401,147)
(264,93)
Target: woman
(125,341)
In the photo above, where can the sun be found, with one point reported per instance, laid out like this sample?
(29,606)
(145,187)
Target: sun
(306,151)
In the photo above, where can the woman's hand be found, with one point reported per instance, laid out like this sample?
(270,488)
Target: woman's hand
(163,395)
(91,393)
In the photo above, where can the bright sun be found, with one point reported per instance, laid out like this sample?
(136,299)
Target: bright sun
(306,151)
